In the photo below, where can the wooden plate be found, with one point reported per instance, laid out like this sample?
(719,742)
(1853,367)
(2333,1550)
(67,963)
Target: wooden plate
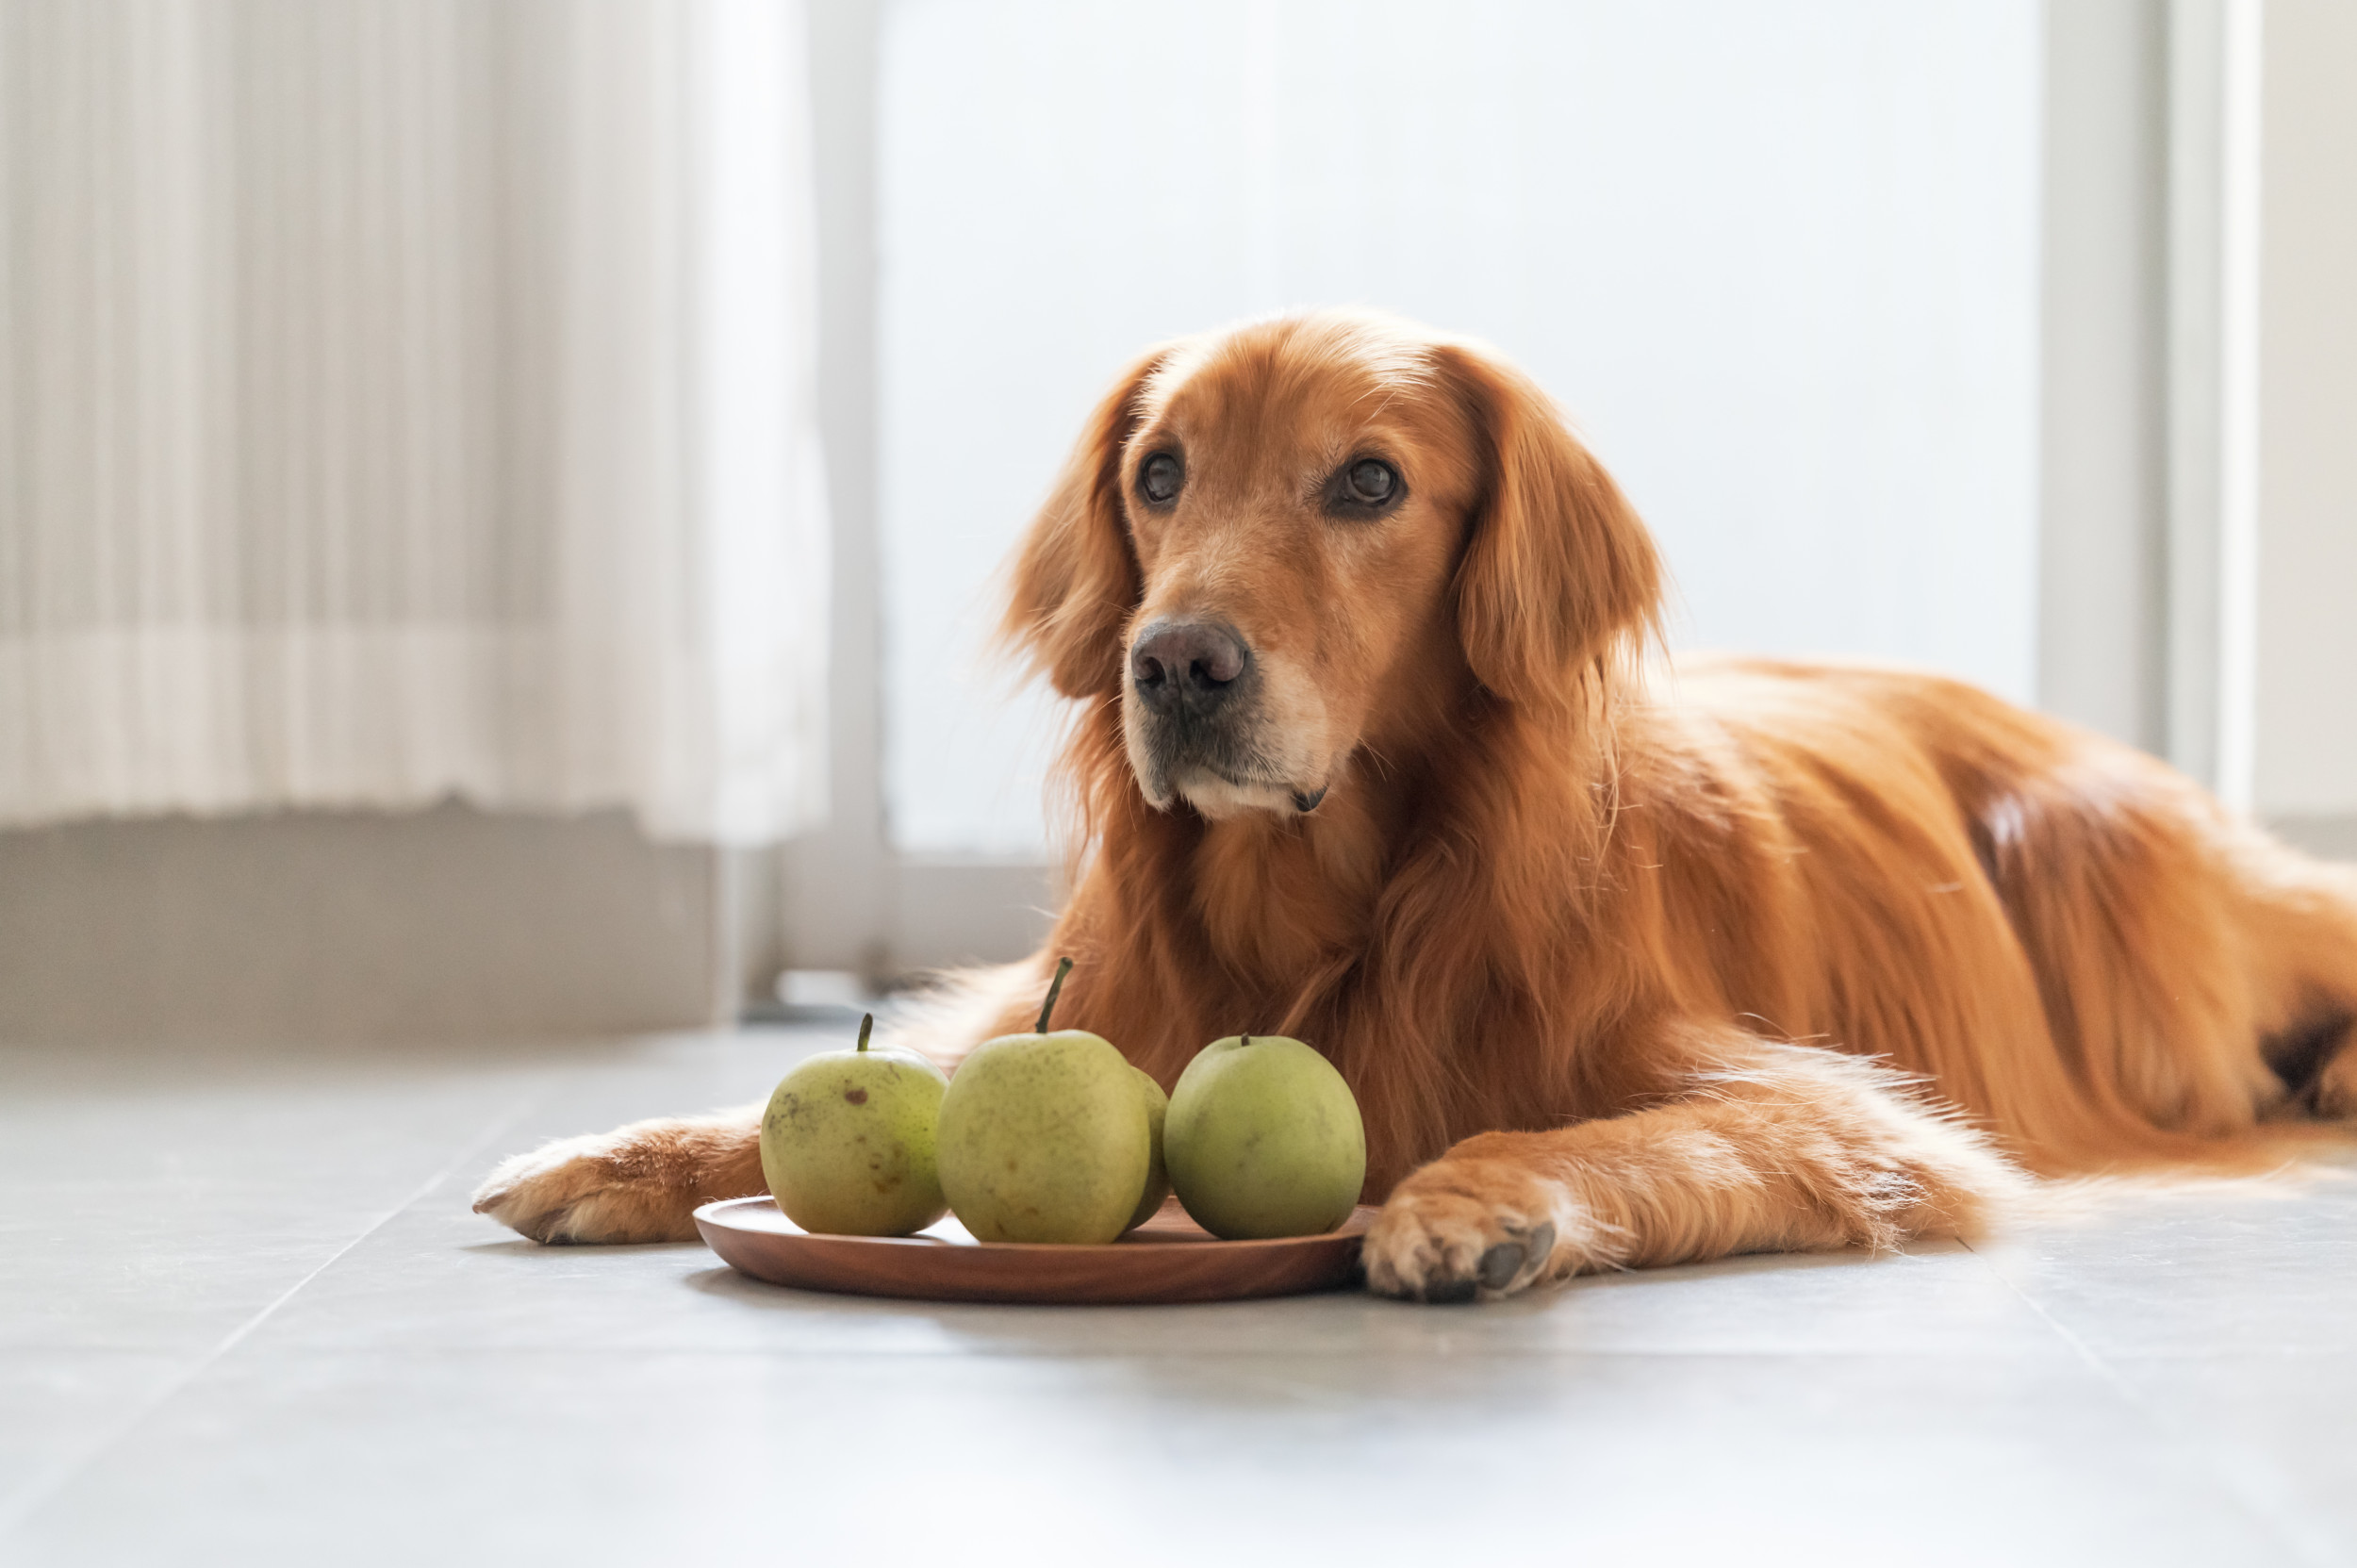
(1168,1259)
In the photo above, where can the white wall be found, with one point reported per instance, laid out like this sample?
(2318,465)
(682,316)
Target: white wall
(2306,763)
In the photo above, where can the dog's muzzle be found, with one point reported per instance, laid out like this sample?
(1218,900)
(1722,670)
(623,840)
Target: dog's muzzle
(1196,692)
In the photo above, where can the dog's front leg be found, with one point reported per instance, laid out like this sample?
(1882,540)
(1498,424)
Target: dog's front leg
(638,1183)
(643,1183)
(1780,1148)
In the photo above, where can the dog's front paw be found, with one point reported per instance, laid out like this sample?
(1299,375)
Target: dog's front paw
(638,1183)
(1462,1228)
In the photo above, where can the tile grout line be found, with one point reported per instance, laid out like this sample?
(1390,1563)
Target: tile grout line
(15,1511)
(2095,1363)
(2305,1551)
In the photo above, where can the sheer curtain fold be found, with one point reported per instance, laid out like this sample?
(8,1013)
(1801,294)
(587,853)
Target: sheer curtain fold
(409,397)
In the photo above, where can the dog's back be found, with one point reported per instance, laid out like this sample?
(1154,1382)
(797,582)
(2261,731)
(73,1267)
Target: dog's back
(2069,937)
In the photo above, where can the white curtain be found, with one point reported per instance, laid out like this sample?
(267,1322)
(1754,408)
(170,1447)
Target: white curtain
(410,398)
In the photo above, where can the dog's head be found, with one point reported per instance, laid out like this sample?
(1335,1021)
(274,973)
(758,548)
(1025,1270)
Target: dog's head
(1304,539)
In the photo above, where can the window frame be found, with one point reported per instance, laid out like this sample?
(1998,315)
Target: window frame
(851,900)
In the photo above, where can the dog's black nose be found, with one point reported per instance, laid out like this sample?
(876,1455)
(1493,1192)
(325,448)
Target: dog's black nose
(1191,664)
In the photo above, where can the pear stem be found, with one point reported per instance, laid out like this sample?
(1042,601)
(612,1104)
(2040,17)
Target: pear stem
(867,1027)
(1063,967)
(1242,1040)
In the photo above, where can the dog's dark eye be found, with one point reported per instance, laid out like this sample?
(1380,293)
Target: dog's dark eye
(1371,481)
(1364,488)
(1159,478)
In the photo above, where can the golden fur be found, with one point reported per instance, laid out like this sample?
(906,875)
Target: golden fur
(1624,967)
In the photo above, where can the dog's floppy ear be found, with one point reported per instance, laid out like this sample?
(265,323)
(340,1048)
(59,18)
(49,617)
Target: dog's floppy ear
(1559,575)
(1075,578)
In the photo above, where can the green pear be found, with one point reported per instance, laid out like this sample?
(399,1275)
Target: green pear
(1045,1137)
(848,1142)
(1157,1172)
(1264,1139)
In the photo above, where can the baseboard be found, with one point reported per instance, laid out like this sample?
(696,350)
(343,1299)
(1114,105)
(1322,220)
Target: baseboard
(2333,837)
(330,926)
(953,911)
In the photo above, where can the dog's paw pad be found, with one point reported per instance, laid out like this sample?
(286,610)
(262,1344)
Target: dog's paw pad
(1501,1263)
(1448,1293)
(1450,1245)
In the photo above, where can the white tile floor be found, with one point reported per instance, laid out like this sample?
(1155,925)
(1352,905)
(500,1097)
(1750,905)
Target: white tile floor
(245,1318)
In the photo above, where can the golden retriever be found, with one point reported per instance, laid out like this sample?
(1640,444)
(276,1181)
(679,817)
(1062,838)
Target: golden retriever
(1627,966)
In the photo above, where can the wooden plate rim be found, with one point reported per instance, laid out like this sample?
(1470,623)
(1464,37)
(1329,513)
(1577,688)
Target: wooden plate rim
(718,1212)
(1188,1267)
